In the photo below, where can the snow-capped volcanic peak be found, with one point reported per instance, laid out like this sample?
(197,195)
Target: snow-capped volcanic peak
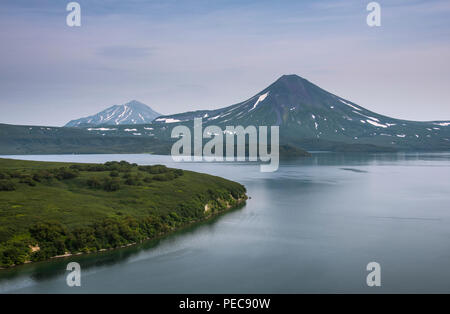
(320,119)
(133,112)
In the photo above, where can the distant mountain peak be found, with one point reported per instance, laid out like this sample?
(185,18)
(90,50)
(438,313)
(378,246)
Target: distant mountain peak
(135,102)
(132,112)
(290,79)
(293,85)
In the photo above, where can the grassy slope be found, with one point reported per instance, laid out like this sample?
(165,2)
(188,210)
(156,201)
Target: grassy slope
(72,203)
(17,139)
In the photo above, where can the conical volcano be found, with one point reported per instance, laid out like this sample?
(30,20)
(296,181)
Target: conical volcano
(313,118)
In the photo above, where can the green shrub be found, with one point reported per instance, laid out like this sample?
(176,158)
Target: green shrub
(15,174)
(118,166)
(133,180)
(65,173)
(94,183)
(48,231)
(164,177)
(111,165)
(42,175)
(95,168)
(28,180)
(156,169)
(111,184)
(114,174)
(7,185)
(13,254)
(178,172)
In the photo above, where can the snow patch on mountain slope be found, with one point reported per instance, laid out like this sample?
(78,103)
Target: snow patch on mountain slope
(101,129)
(372,118)
(348,104)
(260,99)
(168,120)
(376,124)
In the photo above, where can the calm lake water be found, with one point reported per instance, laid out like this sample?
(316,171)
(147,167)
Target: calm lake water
(312,226)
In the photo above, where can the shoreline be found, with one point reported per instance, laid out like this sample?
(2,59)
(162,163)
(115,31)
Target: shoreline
(240,203)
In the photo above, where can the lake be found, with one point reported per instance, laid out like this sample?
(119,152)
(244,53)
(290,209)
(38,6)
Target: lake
(312,226)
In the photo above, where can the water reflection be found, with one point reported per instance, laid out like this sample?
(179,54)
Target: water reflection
(312,226)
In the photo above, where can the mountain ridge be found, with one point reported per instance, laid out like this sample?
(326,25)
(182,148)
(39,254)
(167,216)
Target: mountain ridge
(307,113)
(309,118)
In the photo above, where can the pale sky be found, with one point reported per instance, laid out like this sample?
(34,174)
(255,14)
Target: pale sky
(185,55)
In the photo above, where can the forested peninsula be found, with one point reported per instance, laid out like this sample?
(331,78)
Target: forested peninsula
(50,209)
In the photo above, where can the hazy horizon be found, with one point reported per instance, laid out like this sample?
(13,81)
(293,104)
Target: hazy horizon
(182,56)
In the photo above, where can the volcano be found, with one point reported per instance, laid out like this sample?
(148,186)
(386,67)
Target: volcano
(314,119)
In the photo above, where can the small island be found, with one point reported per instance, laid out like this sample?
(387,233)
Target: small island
(50,209)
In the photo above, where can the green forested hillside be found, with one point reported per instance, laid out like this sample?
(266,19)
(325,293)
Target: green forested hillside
(50,209)
(22,140)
